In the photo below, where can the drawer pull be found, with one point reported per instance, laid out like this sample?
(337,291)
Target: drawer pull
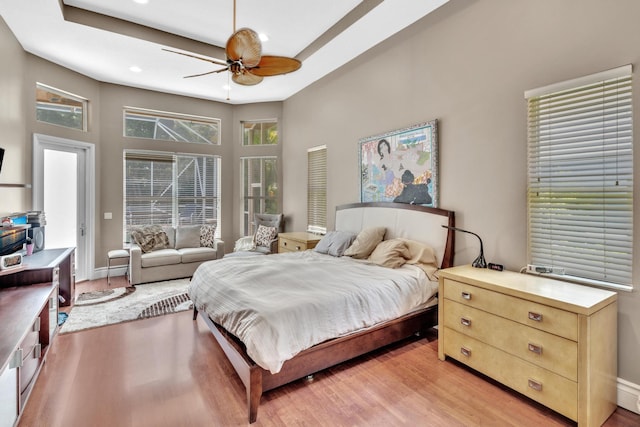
(465,351)
(537,349)
(465,321)
(284,243)
(466,295)
(535,316)
(535,385)
(297,248)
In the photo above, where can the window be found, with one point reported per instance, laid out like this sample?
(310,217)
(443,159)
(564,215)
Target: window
(260,188)
(170,189)
(160,125)
(317,189)
(60,108)
(260,132)
(580,200)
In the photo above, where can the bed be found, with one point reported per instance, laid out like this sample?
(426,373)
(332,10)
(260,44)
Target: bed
(219,290)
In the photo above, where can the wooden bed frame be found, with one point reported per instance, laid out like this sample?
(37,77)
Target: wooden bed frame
(332,352)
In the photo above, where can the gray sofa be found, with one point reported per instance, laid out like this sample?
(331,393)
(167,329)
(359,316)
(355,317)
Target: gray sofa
(180,258)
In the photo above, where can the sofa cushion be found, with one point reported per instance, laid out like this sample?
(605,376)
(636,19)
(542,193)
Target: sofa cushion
(150,237)
(171,234)
(188,236)
(197,254)
(161,257)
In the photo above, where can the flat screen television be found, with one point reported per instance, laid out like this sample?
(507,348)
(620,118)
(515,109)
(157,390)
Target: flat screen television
(12,240)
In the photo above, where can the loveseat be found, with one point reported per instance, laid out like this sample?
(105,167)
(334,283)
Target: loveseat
(163,252)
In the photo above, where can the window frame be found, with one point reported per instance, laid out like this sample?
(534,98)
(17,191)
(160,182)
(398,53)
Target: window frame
(84,106)
(158,115)
(176,200)
(248,201)
(317,189)
(580,179)
(259,122)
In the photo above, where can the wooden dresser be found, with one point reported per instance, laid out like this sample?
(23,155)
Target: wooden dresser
(553,341)
(297,241)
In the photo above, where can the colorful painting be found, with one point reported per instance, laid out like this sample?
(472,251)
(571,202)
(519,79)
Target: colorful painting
(401,166)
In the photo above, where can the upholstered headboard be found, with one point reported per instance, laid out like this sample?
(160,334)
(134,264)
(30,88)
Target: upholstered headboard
(420,223)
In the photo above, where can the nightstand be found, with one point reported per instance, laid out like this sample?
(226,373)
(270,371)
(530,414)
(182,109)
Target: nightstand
(297,241)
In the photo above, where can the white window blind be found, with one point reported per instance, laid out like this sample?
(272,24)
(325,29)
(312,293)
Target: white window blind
(580,177)
(317,189)
(170,189)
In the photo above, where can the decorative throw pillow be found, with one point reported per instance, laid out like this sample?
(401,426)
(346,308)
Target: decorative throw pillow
(390,253)
(150,238)
(207,236)
(366,242)
(187,236)
(334,243)
(265,235)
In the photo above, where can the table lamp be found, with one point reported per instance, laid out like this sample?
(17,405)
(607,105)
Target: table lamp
(479,262)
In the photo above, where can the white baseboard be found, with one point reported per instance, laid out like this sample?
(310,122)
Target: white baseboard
(629,395)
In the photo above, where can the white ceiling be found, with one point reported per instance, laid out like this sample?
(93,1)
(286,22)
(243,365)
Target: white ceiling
(104,39)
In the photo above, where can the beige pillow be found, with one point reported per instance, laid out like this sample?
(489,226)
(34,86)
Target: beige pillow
(422,256)
(365,242)
(390,253)
(188,236)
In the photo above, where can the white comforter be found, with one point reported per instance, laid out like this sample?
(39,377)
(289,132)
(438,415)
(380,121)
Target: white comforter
(279,305)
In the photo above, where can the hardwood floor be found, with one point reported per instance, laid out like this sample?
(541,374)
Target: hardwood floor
(169,371)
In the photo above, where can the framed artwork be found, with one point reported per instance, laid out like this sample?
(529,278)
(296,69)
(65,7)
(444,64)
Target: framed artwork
(401,166)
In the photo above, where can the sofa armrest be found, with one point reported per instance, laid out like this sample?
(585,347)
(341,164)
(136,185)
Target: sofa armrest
(219,247)
(135,264)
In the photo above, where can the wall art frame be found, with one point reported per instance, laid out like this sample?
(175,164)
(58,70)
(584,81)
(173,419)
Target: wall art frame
(401,166)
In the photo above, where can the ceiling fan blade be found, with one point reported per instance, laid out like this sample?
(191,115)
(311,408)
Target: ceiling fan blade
(274,65)
(212,60)
(246,78)
(244,45)
(208,72)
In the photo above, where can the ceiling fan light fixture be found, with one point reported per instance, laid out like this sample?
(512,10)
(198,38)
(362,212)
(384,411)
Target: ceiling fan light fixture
(135,69)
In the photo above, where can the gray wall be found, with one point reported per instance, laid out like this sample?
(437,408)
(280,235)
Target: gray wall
(468,65)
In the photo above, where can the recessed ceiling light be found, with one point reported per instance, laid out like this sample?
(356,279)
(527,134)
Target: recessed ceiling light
(141,1)
(263,37)
(135,68)
(226,87)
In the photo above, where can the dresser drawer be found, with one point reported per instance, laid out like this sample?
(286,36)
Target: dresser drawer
(546,350)
(541,385)
(538,316)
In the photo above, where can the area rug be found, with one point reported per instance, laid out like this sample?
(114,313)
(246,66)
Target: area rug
(117,305)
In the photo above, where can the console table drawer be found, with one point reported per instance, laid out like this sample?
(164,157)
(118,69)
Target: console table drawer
(541,385)
(539,316)
(546,350)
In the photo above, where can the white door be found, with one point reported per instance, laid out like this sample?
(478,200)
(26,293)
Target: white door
(62,183)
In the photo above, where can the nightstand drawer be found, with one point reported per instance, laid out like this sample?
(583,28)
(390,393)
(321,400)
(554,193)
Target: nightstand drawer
(541,385)
(288,245)
(297,241)
(543,317)
(546,350)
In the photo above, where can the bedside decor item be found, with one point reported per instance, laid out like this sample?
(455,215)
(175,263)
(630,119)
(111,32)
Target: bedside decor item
(479,262)
(401,166)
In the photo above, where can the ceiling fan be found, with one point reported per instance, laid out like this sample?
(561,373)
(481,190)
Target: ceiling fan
(245,61)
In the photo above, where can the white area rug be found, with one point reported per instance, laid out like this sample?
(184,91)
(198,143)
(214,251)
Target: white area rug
(111,306)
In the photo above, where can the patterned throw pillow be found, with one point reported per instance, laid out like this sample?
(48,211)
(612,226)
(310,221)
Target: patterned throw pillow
(150,238)
(207,236)
(265,235)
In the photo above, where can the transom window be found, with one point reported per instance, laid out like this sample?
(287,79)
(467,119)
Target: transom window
(580,187)
(260,132)
(170,189)
(166,126)
(60,108)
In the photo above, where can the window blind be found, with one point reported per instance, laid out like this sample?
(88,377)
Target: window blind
(170,189)
(317,189)
(580,178)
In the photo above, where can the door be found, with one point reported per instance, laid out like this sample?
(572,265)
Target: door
(62,184)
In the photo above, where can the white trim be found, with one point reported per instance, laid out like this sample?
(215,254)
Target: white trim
(628,396)
(622,71)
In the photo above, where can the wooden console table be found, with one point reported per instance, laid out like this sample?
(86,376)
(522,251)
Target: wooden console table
(29,319)
(55,266)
